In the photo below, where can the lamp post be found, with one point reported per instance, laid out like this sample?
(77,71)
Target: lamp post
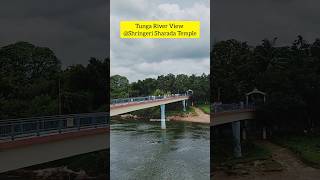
(59,96)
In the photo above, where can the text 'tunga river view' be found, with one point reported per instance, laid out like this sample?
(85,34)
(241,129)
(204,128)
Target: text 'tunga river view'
(141,150)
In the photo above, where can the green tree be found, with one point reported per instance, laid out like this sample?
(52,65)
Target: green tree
(119,86)
(26,71)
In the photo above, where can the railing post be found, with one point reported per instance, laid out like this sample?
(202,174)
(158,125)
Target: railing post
(241,105)
(78,123)
(108,118)
(59,124)
(38,127)
(12,131)
(94,121)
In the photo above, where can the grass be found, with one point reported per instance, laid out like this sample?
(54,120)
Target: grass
(205,108)
(306,147)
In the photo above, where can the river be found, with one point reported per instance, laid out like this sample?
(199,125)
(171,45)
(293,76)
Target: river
(141,150)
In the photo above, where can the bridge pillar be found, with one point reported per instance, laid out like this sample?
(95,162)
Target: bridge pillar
(184,105)
(264,133)
(236,139)
(244,134)
(163,116)
(164,137)
(244,130)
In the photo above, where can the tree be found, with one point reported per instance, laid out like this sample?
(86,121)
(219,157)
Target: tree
(31,78)
(119,86)
(26,71)
(288,74)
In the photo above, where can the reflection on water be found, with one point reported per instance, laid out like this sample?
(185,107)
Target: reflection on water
(141,150)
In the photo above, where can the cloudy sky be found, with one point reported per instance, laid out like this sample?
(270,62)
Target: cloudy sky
(74,29)
(78,29)
(142,58)
(252,20)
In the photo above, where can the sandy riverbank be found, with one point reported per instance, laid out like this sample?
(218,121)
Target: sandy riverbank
(200,117)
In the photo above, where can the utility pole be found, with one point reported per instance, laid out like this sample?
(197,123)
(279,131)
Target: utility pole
(59,96)
(219,93)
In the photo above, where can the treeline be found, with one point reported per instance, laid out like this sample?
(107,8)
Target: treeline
(33,83)
(290,75)
(164,84)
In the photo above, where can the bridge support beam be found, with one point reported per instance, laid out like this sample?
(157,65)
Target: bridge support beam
(236,139)
(244,130)
(264,133)
(163,116)
(244,134)
(184,105)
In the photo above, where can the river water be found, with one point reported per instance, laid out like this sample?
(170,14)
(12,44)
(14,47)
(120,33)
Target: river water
(141,150)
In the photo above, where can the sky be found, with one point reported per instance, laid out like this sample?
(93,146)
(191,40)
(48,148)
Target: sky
(74,29)
(138,59)
(79,29)
(254,20)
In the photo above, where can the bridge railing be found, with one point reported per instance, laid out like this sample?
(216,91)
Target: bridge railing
(142,99)
(11,129)
(216,108)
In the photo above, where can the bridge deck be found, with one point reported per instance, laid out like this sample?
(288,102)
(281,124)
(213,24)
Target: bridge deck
(121,108)
(29,141)
(28,152)
(231,116)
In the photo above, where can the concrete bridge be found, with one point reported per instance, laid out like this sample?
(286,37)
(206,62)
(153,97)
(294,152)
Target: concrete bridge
(26,142)
(30,141)
(122,106)
(234,114)
(228,113)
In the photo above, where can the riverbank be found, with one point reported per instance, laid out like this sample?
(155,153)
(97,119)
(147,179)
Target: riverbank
(282,164)
(87,166)
(199,117)
(306,147)
(192,114)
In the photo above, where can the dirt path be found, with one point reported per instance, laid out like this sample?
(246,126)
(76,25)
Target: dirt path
(201,117)
(294,169)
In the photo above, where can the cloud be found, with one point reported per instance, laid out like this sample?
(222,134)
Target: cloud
(153,69)
(75,29)
(143,58)
(252,21)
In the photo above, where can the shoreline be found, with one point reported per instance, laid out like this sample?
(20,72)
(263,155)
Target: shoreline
(200,117)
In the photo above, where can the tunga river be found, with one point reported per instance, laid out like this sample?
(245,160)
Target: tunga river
(139,149)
